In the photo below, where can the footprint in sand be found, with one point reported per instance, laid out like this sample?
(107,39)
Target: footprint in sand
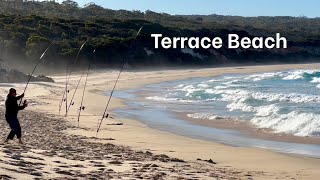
(116,162)
(77,166)
(68,173)
(62,166)
(99,165)
(4,177)
(36,158)
(36,174)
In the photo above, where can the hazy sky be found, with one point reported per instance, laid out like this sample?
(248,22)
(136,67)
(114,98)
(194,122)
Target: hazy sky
(310,8)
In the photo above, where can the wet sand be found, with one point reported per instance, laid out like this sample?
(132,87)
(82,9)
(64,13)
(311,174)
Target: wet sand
(135,141)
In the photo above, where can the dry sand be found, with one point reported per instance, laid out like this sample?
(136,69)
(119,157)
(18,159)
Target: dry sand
(135,145)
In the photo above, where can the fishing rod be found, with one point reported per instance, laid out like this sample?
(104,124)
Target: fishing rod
(105,115)
(81,108)
(68,74)
(35,67)
(75,91)
(71,103)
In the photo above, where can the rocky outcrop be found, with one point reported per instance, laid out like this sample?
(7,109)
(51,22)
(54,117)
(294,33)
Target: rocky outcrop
(15,76)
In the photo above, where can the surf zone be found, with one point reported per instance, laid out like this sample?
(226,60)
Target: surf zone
(234,42)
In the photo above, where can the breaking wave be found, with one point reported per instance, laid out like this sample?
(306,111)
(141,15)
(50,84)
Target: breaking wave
(205,116)
(287,102)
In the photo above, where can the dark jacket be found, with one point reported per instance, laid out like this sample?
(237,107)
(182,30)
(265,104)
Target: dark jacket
(12,106)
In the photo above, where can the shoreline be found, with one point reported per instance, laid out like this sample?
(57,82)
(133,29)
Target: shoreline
(141,137)
(229,132)
(249,130)
(245,128)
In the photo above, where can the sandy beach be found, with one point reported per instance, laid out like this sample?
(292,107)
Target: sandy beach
(57,148)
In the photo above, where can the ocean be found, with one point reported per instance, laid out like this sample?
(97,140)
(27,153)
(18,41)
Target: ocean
(284,102)
(287,102)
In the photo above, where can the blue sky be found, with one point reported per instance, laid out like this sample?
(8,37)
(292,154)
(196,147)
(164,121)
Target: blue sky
(310,8)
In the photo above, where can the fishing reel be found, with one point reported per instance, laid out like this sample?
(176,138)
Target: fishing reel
(81,108)
(106,116)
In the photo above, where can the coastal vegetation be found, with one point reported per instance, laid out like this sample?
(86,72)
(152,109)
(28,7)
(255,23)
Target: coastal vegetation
(28,27)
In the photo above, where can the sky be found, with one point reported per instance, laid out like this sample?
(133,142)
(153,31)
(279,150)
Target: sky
(309,8)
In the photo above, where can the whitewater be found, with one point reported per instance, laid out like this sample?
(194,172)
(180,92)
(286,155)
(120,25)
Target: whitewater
(285,102)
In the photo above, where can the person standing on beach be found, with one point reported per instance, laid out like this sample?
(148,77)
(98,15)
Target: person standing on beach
(12,109)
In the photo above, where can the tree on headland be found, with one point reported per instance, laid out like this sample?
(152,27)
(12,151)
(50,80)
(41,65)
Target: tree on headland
(26,28)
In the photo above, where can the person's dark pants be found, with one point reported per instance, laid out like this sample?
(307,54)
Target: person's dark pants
(15,127)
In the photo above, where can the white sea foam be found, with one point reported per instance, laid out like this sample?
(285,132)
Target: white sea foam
(259,110)
(299,124)
(315,80)
(263,108)
(230,77)
(210,91)
(220,87)
(293,75)
(213,80)
(203,85)
(189,89)
(173,100)
(239,94)
(167,99)
(259,77)
(239,105)
(231,82)
(209,116)
(291,97)
(268,110)
(179,86)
